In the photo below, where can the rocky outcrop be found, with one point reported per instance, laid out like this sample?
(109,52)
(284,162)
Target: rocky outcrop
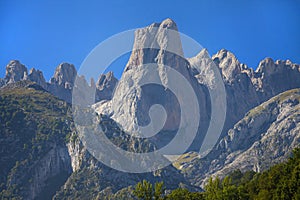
(158,43)
(52,169)
(239,88)
(105,86)
(248,88)
(37,77)
(272,78)
(64,76)
(229,65)
(15,71)
(62,82)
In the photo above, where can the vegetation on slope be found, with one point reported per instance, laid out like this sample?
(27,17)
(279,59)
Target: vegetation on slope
(281,181)
(32,122)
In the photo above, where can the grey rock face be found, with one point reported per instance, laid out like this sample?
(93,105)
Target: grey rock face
(15,71)
(64,76)
(229,65)
(272,78)
(151,44)
(105,86)
(247,88)
(239,88)
(38,77)
(56,163)
(157,44)
(62,82)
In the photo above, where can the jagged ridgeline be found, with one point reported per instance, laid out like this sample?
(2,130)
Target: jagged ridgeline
(62,82)
(42,156)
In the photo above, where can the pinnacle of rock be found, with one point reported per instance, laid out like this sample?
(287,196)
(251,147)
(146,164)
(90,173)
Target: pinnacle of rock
(15,71)
(64,75)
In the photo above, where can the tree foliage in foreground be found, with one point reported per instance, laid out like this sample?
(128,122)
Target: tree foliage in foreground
(281,181)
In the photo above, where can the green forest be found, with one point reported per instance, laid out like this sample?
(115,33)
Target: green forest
(282,181)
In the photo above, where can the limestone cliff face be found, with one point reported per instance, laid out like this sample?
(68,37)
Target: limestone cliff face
(151,46)
(44,176)
(239,88)
(158,43)
(156,47)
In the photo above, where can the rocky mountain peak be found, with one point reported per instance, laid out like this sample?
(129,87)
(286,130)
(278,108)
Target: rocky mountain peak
(64,75)
(228,63)
(105,86)
(155,47)
(201,68)
(15,71)
(203,54)
(37,76)
(156,44)
(106,80)
(169,24)
(274,77)
(267,65)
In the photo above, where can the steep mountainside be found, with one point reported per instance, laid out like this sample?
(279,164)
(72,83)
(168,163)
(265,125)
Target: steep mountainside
(34,128)
(41,154)
(266,135)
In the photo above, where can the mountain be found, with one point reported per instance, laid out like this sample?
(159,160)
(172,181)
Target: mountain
(42,156)
(156,47)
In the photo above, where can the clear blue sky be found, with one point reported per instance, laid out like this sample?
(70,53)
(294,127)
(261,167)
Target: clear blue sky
(42,34)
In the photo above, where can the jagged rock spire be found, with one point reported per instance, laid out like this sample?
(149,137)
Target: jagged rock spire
(37,76)
(157,43)
(15,71)
(64,75)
